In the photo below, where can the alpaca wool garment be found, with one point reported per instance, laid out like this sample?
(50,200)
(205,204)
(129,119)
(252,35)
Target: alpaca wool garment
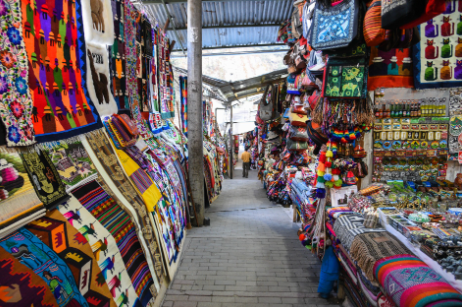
(73,248)
(45,178)
(102,150)
(61,107)
(367,248)
(21,285)
(411,283)
(19,203)
(99,79)
(15,97)
(112,217)
(102,243)
(46,264)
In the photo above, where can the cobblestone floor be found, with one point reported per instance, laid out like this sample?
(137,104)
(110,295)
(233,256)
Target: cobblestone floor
(249,256)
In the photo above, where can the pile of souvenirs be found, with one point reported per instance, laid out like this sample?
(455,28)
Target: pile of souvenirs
(93,181)
(382,210)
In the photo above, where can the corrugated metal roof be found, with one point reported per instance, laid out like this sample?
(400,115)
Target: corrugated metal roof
(228,23)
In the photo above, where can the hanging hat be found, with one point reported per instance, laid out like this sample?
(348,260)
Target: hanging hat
(316,137)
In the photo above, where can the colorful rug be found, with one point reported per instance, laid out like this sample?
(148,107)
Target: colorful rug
(390,69)
(101,145)
(20,286)
(72,162)
(16,103)
(102,243)
(37,256)
(103,207)
(73,248)
(368,248)
(47,183)
(61,107)
(411,283)
(437,58)
(98,22)
(18,202)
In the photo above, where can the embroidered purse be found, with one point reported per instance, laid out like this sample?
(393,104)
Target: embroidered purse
(298,134)
(336,26)
(345,80)
(296,146)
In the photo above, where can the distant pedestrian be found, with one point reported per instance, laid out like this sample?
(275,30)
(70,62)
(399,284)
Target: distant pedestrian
(245,163)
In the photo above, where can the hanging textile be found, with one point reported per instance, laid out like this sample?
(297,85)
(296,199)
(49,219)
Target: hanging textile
(46,264)
(21,286)
(47,183)
(72,162)
(16,103)
(56,59)
(59,235)
(437,58)
(106,211)
(184,104)
(390,69)
(118,56)
(130,14)
(18,202)
(100,145)
(165,77)
(103,244)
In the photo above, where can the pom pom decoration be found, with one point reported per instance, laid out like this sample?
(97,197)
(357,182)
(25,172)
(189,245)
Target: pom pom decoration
(329,184)
(328,177)
(321,167)
(320,193)
(320,174)
(320,185)
(336,171)
(329,154)
(322,157)
(321,179)
(335,177)
(302,237)
(328,164)
(338,183)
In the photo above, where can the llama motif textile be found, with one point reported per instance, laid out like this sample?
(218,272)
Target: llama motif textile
(102,244)
(390,69)
(72,162)
(438,56)
(118,57)
(99,80)
(37,256)
(16,103)
(20,286)
(45,178)
(101,146)
(60,105)
(409,282)
(98,21)
(18,202)
(73,248)
(104,209)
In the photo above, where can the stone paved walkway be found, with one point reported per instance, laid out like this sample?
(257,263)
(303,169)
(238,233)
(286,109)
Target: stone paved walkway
(249,256)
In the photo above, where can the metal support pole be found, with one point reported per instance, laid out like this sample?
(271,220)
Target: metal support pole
(231,155)
(195,134)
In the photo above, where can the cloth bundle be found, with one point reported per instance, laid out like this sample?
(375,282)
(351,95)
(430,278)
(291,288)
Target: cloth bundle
(409,282)
(368,248)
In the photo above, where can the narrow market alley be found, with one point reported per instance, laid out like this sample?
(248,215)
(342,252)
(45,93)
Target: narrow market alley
(249,256)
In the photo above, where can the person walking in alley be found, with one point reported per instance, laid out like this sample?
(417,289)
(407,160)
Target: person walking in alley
(245,163)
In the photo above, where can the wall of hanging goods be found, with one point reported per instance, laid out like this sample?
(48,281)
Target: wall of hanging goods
(375,106)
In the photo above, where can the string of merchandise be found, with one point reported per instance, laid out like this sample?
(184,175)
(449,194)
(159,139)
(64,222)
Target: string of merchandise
(364,140)
(94,188)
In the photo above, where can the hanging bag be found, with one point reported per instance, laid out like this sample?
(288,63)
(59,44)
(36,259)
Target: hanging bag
(433,8)
(345,79)
(336,26)
(308,11)
(298,134)
(374,34)
(397,13)
(267,104)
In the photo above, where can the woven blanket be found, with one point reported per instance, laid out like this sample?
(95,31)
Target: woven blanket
(102,243)
(101,147)
(18,202)
(37,256)
(130,15)
(350,235)
(346,222)
(369,247)
(368,295)
(118,59)
(15,97)
(20,286)
(72,162)
(335,212)
(53,40)
(98,21)
(47,183)
(73,248)
(411,283)
(120,238)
